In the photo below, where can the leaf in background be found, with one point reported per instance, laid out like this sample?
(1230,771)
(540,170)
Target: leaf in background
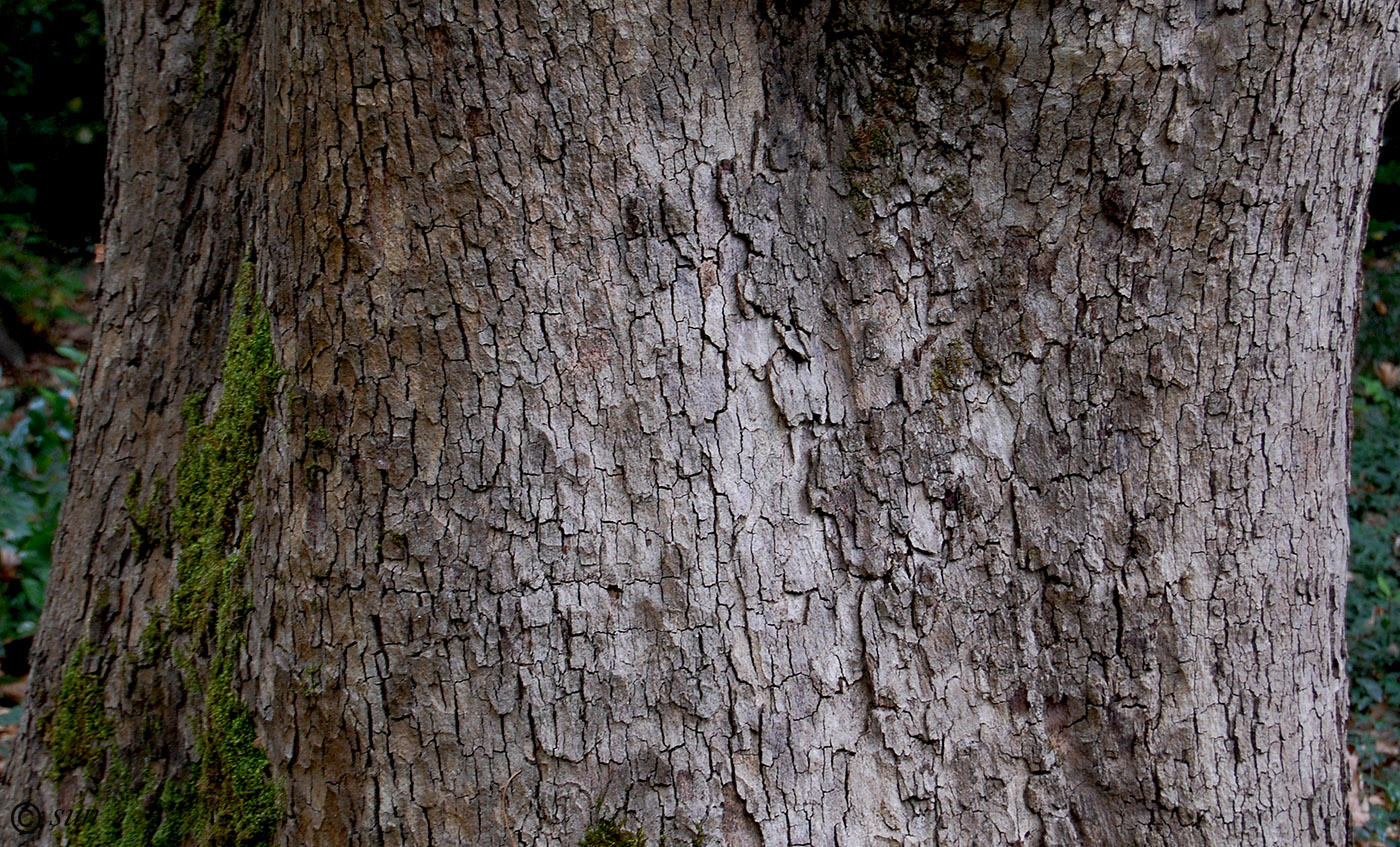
(1372,689)
(1388,174)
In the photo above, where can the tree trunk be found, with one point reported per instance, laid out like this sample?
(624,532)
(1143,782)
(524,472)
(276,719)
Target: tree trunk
(855,424)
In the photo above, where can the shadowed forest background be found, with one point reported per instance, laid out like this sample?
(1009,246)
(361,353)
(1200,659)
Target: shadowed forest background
(52,143)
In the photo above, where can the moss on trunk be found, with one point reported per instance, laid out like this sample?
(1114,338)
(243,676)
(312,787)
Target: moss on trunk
(228,796)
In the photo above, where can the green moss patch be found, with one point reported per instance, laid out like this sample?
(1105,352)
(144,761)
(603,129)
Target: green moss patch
(148,529)
(219,42)
(947,369)
(869,163)
(144,813)
(612,831)
(77,730)
(244,806)
(237,801)
(226,796)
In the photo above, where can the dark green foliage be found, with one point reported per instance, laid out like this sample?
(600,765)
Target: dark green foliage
(51,160)
(1378,330)
(51,80)
(43,292)
(36,429)
(1383,235)
(51,130)
(1373,595)
(1373,598)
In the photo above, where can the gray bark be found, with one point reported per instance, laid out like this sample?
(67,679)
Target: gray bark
(818,424)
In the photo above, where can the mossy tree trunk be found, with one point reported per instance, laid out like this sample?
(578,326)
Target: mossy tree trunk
(844,423)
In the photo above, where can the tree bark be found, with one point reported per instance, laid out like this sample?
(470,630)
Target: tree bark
(850,423)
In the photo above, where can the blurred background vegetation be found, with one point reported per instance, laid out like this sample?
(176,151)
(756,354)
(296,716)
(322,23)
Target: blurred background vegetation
(1373,596)
(52,144)
(53,152)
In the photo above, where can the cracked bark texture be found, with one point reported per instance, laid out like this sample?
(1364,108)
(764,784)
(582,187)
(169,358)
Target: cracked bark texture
(821,423)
